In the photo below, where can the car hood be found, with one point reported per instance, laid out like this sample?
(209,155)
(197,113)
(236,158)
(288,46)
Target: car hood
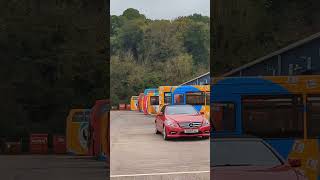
(185,118)
(253,173)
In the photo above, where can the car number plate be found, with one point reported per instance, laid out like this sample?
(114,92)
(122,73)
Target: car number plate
(191,131)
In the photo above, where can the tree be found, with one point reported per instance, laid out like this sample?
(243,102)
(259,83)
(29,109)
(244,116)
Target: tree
(161,42)
(148,53)
(131,14)
(131,38)
(197,42)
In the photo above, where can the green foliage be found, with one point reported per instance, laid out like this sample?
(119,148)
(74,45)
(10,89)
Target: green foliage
(251,29)
(148,53)
(131,37)
(132,14)
(53,59)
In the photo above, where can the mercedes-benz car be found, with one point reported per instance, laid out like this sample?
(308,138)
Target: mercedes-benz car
(175,121)
(250,159)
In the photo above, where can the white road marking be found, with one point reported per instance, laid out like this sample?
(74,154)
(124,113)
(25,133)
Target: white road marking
(159,174)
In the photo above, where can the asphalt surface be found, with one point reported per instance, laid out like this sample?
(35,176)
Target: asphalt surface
(137,153)
(51,167)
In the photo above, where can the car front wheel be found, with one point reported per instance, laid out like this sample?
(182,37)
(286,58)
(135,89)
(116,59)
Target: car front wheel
(164,133)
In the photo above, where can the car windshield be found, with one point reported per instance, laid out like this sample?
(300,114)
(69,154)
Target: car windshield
(242,153)
(180,109)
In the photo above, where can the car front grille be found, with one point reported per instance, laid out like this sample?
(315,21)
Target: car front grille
(190,124)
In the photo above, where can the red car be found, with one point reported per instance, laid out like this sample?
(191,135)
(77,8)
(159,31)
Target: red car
(175,121)
(249,159)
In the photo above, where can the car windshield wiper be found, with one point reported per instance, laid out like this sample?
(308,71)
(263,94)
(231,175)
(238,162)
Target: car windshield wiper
(221,165)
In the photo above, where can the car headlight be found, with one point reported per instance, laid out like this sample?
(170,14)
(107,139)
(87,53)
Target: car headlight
(170,123)
(206,122)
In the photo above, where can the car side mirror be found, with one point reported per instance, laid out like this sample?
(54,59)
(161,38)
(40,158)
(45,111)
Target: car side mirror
(294,162)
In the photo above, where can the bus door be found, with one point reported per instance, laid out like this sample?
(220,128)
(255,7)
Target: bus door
(154,104)
(167,98)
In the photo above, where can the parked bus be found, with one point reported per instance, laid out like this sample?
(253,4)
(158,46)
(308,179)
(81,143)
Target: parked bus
(140,102)
(151,101)
(77,131)
(196,95)
(98,129)
(283,110)
(134,103)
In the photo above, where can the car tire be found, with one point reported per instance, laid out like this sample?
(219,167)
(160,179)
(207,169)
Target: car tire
(164,133)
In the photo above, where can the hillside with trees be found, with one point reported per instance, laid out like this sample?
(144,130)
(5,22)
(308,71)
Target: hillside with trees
(148,53)
(53,58)
(248,29)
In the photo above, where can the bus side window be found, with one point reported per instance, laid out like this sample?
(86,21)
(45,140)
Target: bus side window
(195,98)
(272,115)
(178,99)
(223,116)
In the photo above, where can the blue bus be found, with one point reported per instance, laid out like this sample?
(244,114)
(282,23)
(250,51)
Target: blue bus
(283,110)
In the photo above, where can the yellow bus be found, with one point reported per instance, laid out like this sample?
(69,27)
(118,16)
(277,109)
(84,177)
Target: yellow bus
(77,131)
(134,103)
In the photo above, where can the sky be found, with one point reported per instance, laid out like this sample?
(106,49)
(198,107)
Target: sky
(162,9)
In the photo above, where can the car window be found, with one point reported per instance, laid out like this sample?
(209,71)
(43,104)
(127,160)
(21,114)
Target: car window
(180,109)
(246,153)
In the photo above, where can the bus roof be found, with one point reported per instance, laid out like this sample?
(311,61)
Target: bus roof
(233,87)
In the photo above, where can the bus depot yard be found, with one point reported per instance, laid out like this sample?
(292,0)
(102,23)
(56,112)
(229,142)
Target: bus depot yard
(138,153)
